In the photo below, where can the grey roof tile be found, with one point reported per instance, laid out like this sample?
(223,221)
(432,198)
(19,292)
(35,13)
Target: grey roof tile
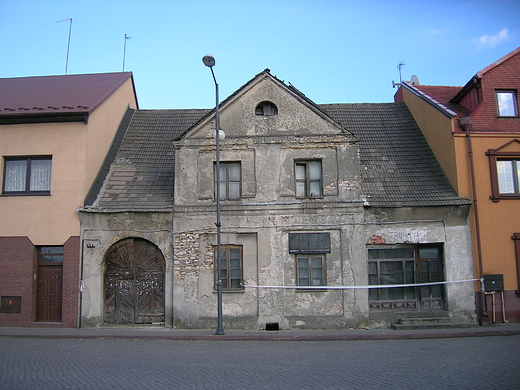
(140,176)
(398,167)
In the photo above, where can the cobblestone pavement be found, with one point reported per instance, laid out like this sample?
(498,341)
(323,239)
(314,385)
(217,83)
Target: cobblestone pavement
(454,363)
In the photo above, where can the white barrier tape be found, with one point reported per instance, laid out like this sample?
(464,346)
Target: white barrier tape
(357,287)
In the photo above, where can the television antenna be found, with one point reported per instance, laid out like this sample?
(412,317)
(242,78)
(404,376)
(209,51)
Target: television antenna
(400,66)
(68,44)
(124,51)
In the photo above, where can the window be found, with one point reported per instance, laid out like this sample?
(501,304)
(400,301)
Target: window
(311,269)
(50,254)
(230,267)
(508,172)
(310,250)
(27,176)
(504,169)
(506,103)
(405,265)
(266,109)
(308,179)
(230,180)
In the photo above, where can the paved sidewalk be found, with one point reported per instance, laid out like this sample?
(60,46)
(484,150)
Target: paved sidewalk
(141,332)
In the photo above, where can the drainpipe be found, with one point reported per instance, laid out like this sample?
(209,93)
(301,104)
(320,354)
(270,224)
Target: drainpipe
(465,124)
(82,241)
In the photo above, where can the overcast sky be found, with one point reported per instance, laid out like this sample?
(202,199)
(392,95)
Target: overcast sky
(334,51)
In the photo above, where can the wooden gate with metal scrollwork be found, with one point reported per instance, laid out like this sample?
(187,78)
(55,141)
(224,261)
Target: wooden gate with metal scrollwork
(134,283)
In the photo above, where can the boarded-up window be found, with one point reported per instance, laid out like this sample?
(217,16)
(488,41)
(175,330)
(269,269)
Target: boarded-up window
(309,242)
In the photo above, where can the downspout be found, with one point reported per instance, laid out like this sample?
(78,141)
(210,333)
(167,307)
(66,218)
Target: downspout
(82,241)
(481,297)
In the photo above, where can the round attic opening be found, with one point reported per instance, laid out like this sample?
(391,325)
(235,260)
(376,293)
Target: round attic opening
(266,108)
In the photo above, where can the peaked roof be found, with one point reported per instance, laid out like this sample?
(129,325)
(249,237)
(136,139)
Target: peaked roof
(398,168)
(446,98)
(56,98)
(498,62)
(139,168)
(267,73)
(440,97)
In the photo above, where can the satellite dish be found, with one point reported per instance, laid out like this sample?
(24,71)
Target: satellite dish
(415,80)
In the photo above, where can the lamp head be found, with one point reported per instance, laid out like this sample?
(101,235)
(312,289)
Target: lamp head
(208,60)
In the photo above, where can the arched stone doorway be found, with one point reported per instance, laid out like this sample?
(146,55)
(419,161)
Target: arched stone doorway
(134,283)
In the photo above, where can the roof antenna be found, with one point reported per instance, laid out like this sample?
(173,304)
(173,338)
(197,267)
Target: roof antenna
(68,44)
(124,51)
(400,66)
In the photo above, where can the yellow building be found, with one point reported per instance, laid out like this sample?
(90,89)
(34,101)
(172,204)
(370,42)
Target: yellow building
(474,132)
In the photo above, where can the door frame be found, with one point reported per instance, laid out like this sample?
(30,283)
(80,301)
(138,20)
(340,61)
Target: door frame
(49,258)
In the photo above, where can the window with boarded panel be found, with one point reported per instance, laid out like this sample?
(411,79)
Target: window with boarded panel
(309,242)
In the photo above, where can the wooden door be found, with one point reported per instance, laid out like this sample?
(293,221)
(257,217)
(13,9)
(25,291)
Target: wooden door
(134,283)
(49,293)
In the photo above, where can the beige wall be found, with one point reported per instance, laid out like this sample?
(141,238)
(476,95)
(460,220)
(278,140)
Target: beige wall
(103,123)
(437,129)
(77,151)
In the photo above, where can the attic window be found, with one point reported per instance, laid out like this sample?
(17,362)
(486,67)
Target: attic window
(266,109)
(506,103)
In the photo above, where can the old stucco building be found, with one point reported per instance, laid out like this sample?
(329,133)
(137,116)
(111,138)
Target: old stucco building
(318,203)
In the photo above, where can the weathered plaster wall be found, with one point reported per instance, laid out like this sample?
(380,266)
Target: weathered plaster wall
(263,233)
(99,232)
(268,210)
(448,226)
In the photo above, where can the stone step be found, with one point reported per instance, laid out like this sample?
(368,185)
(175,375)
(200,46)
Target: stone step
(434,320)
(431,323)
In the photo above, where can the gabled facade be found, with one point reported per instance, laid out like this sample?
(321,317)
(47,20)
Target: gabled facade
(318,203)
(474,132)
(54,134)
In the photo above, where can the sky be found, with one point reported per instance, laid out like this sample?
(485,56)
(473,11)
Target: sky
(333,51)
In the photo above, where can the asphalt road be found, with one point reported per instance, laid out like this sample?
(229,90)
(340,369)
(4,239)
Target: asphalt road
(455,363)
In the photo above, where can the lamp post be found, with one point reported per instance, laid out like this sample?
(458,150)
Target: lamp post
(209,61)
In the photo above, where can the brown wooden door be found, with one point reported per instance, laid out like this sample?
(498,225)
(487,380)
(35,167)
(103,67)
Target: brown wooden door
(134,283)
(49,293)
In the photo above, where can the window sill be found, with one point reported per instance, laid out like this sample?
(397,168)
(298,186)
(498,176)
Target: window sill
(25,194)
(311,289)
(505,197)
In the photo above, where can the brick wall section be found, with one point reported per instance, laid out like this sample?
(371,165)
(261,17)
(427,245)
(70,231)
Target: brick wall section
(17,270)
(71,275)
(17,256)
(505,76)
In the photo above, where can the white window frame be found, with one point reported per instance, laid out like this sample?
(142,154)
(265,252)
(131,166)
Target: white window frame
(227,192)
(306,184)
(506,104)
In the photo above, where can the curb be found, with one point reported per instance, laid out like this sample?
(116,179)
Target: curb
(206,335)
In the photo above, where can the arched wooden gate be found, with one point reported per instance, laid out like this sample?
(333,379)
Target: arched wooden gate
(134,283)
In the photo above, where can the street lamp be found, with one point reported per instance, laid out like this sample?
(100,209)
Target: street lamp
(209,61)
